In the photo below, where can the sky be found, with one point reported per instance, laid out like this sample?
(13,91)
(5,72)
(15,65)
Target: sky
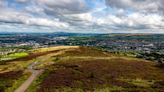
(82,16)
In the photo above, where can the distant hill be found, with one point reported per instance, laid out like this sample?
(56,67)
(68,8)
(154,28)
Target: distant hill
(72,34)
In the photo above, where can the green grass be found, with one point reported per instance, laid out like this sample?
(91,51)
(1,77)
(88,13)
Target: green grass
(139,82)
(18,55)
(13,56)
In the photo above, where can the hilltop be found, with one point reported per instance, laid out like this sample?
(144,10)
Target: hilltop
(81,69)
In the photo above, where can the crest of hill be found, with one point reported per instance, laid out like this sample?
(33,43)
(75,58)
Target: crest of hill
(89,69)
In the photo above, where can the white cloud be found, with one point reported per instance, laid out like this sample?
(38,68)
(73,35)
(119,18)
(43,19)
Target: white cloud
(21,1)
(11,16)
(83,17)
(136,21)
(2,3)
(146,6)
(53,7)
(45,22)
(76,15)
(34,9)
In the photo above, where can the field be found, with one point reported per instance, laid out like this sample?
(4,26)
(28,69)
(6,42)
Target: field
(13,56)
(87,69)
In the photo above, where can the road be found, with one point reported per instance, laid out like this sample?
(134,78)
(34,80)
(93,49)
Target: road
(28,82)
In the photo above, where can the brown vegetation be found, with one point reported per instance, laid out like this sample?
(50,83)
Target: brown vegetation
(11,75)
(89,75)
(7,79)
(86,51)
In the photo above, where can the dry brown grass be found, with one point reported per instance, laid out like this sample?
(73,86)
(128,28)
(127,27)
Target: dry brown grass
(43,51)
(86,51)
(54,48)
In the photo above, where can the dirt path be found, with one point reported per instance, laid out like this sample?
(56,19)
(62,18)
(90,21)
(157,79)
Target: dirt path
(34,75)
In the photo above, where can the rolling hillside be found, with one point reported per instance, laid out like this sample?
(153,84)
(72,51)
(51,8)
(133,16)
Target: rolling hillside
(81,69)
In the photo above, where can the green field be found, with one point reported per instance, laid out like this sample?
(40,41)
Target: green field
(13,56)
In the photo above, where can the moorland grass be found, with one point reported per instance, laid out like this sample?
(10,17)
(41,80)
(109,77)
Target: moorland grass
(95,73)
(9,81)
(81,69)
(77,70)
(18,82)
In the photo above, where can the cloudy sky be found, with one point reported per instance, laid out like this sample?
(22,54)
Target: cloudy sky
(92,16)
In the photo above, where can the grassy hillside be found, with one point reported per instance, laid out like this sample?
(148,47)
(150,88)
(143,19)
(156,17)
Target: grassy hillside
(82,69)
(14,72)
(87,69)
